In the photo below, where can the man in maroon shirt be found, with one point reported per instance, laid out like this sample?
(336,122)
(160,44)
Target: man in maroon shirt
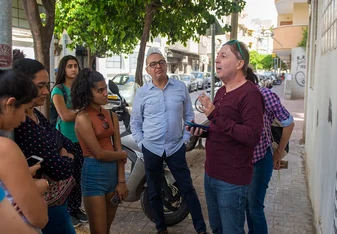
(236,123)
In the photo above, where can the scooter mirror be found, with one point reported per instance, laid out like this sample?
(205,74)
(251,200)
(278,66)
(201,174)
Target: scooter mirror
(113,87)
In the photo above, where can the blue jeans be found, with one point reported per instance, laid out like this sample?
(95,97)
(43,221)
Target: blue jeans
(263,170)
(59,221)
(226,205)
(181,173)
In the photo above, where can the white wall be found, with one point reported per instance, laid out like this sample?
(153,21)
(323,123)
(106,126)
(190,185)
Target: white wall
(298,71)
(321,133)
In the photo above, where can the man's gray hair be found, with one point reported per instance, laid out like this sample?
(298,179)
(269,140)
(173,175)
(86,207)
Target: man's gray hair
(154,50)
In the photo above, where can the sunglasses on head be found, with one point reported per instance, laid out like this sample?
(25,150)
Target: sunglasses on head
(105,123)
(237,44)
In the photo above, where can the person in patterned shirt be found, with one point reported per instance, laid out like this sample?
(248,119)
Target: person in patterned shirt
(36,136)
(265,159)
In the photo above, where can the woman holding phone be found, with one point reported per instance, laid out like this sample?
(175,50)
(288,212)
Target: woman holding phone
(36,136)
(103,172)
(16,94)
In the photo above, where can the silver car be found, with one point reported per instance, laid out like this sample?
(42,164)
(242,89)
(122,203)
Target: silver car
(190,81)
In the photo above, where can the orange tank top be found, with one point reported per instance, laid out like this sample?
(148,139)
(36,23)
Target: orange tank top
(103,135)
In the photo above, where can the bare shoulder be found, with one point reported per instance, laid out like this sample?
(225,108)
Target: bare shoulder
(7,144)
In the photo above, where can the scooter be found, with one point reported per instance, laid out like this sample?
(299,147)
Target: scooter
(175,206)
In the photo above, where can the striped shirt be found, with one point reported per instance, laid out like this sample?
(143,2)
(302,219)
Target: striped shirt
(274,109)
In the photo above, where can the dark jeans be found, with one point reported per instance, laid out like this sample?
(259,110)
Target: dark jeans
(226,205)
(263,170)
(181,173)
(59,221)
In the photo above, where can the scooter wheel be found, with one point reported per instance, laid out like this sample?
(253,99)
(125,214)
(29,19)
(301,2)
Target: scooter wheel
(172,216)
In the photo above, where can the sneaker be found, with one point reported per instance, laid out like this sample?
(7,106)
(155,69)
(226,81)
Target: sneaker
(75,221)
(81,216)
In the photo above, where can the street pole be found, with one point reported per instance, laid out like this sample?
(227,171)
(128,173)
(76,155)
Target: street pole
(6,53)
(213,61)
(234,25)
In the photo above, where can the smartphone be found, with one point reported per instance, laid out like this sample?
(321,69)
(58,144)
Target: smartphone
(115,200)
(190,124)
(33,160)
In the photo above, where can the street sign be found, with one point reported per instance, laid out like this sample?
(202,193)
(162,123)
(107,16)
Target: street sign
(273,55)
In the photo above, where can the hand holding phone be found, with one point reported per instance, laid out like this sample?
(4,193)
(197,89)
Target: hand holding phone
(115,200)
(33,160)
(191,124)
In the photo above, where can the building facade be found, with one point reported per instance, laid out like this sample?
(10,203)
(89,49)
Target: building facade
(320,114)
(292,22)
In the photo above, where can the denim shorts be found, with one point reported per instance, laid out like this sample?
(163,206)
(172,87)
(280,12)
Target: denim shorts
(98,177)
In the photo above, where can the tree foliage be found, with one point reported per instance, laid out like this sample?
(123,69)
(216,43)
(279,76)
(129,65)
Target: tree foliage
(114,26)
(261,61)
(303,42)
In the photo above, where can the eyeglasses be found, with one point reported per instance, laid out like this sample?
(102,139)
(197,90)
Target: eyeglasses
(237,44)
(105,123)
(154,64)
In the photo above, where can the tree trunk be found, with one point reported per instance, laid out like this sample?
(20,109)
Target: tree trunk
(150,10)
(42,35)
(91,58)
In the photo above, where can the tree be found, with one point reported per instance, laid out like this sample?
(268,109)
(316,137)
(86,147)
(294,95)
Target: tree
(114,26)
(267,62)
(42,33)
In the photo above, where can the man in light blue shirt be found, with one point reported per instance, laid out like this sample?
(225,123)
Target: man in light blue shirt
(159,111)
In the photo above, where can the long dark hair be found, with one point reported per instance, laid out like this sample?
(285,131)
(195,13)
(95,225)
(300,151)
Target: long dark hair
(28,66)
(81,94)
(15,84)
(61,70)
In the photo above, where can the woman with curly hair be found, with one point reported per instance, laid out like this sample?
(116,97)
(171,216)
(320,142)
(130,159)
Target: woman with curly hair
(103,172)
(60,97)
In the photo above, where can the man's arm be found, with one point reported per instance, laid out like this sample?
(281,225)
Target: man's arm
(188,114)
(137,118)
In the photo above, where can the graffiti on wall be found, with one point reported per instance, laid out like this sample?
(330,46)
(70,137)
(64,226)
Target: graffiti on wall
(300,71)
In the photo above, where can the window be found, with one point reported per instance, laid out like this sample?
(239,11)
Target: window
(133,60)
(114,62)
(329,26)
(282,23)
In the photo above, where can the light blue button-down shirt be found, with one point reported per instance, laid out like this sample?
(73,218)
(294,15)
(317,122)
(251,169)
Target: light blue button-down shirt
(158,116)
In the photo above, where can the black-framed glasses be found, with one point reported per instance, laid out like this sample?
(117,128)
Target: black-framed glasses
(155,63)
(231,42)
(105,123)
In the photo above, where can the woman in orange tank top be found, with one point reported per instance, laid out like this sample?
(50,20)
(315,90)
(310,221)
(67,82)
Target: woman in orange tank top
(103,171)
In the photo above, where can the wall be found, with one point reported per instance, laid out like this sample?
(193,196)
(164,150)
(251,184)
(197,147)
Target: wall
(284,17)
(321,128)
(298,71)
(301,13)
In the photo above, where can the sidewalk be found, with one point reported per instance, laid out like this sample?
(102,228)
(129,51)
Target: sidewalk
(288,209)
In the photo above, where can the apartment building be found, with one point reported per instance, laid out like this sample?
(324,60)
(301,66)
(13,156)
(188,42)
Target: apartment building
(320,114)
(292,20)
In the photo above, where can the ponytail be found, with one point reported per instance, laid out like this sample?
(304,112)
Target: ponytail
(251,76)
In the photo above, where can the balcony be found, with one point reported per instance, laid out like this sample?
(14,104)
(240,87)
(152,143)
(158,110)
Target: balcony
(287,37)
(286,6)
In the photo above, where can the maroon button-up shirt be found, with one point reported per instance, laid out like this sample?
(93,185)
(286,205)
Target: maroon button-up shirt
(235,129)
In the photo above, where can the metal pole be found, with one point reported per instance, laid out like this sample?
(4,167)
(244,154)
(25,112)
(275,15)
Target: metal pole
(234,25)
(6,54)
(213,61)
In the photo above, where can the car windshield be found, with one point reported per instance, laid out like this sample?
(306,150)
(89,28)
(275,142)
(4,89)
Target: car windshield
(124,79)
(197,75)
(185,78)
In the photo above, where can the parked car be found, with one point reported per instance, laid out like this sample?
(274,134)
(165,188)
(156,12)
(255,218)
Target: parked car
(173,76)
(127,86)
(201,79)
(190,81)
